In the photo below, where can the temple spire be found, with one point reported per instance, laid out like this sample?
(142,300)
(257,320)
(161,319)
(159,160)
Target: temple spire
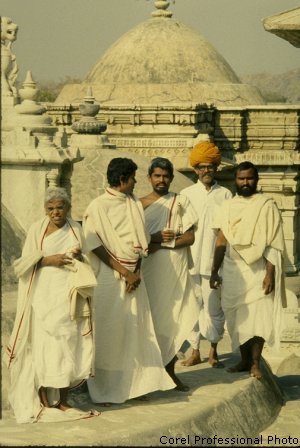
(161,9)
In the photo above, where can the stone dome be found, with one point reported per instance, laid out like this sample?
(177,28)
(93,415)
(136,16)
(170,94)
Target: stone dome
(163,61)
(161,51)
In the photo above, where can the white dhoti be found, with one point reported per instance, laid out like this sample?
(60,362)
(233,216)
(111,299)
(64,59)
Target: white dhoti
(211,317)
(128,362)
(172,299)
(248,311)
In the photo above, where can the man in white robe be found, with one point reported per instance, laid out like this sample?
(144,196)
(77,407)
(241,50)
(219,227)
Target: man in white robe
(170,220)
(206,196)
(250,245)
(128,361)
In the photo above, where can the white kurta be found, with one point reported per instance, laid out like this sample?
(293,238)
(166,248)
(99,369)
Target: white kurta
(252,227)
(128,361)
(211,317)
(46,347)
(169,284)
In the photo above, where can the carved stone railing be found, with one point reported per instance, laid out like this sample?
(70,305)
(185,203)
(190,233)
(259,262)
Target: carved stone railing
(268,136)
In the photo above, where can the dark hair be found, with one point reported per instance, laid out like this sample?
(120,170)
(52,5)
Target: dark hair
(120,169)
(162,163)
(246,165)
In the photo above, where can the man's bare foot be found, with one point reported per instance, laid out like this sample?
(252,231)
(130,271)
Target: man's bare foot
(256,372)
(213,359)
(242,366)
(193,360)
(63,406)
(43,397)
(216,364)
(180,386)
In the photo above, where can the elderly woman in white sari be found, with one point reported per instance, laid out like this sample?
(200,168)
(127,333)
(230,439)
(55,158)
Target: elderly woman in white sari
(51,347)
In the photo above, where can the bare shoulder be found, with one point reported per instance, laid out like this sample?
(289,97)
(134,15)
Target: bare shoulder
(147,200)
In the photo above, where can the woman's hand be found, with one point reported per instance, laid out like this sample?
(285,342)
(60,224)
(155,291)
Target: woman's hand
(58,260)
(75,253)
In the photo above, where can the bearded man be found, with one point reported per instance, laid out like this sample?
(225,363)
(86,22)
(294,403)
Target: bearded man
(250,246)
(170,220)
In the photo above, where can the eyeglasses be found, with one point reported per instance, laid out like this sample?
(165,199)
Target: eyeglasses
(206,167)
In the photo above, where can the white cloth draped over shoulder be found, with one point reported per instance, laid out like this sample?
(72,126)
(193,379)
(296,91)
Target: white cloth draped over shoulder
(128,361)
(46,348)
(169,284)
(252,226)
(125,247)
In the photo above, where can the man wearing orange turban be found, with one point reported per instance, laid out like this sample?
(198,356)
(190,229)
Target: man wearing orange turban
(205,152)
(206,196)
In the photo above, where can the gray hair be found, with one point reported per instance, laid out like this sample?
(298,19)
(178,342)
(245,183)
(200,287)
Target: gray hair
(57,193)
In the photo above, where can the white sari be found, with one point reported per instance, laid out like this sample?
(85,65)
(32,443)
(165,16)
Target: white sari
(46,347)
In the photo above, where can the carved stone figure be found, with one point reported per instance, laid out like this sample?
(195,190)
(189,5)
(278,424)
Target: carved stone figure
(9,67)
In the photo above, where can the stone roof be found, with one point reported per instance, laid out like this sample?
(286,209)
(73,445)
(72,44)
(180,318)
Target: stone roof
(285,25)
(163,61)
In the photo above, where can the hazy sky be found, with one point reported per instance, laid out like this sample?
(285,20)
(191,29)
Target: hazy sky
(59,38)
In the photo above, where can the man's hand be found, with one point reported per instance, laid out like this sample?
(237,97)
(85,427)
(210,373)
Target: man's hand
(167,235)
(269,280)
(268,283)
(215,281)
(163,236)
(132,280)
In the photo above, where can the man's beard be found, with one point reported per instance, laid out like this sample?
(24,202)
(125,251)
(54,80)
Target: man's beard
(246,191)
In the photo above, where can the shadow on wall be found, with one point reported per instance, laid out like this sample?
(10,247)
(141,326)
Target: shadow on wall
(12,240)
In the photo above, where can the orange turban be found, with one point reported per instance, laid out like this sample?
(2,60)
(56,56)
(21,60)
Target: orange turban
(205,152)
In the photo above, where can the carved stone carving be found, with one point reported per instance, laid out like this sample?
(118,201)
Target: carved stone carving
(9,68)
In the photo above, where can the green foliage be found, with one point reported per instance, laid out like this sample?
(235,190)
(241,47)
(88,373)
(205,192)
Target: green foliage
(49,90)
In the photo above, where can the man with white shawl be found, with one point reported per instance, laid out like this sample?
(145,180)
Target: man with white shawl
(170,220)
(128,361)
(51,346)
(250,245)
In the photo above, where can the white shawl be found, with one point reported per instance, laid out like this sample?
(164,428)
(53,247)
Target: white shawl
(125,249)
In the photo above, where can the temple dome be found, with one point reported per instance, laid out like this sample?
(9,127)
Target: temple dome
(163,61)
(161,51)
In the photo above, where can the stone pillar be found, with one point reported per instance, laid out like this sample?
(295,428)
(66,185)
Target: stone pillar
(30,158)
(89,138)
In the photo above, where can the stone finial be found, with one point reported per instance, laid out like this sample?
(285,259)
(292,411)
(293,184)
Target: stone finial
(88,124)
(161,9)
(29,90)
(27,94)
